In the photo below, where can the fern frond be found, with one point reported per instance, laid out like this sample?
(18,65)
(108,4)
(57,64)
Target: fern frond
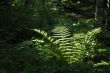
(44,34)
(61,32)
(91,34)
(74,48)
(65,42)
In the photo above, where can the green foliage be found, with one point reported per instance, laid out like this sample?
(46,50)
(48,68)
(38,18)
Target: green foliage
(44,34)
(66,39)
(76,47)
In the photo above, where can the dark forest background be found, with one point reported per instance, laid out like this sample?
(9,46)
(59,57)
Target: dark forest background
(54,36)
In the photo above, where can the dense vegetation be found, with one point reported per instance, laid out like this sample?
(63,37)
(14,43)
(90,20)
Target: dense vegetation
(54,36)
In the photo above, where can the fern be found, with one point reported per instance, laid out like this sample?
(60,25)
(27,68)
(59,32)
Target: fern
(61,32)
(86,42)
(44,48)
(63,39)
(71,47)
(74,48)
(90,39)
(44,34)
(91,34)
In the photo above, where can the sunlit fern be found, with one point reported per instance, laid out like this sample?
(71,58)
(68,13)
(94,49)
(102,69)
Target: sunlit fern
(65,42)
(44,34)
(43,47)
(72,47)
(90,39)
(75,47)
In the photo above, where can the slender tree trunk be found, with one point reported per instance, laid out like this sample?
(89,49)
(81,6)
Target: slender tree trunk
(99,10)
(101,13)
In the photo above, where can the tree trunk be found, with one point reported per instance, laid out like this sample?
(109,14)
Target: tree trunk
(101,13)
(99,10)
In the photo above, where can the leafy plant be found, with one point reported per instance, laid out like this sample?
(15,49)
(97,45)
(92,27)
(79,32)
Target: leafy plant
(76,47)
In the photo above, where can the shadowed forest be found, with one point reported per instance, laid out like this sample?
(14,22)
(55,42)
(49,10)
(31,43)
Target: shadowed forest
(54,36)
